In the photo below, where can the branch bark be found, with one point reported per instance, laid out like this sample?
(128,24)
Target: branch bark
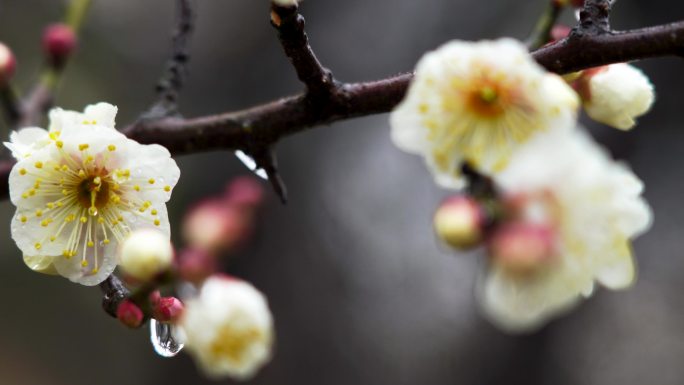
(266,124)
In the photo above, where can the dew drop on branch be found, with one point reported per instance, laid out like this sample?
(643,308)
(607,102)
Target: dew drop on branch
(251,164)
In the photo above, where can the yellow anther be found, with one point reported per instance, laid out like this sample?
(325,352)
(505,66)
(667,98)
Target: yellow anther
(151,181)
(92,211)
(84,263)
(25,195)
(53,238)
(65,168)
(66,254)
(136,188)
(156,222)
(45,223)
(83,146)
(167,188)
(154,212)
(97,180)
(60,204)
(115,198)
(81,173)
(65,192)
(39,213)
(142,209)
(106,241)
(120,218)
(32,192)
(94,271)
(84,219)
(22,171)
(89,159)
(147,204)
(38,246)
(39,164)
(111,147)
(50,205)
(59,144)
(100,220)
(23,219)
(91,244)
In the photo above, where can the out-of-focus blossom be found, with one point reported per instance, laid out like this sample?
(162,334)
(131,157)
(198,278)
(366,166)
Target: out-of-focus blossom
(145,253)
(228,328)
(245,191)
(577,212)
(460,222)
(478,102)
(286,3)
(81,188)
(8,64)
(616,94)
(196,264)
(215,226)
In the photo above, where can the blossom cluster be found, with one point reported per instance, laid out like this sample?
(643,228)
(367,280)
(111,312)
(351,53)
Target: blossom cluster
(559,214)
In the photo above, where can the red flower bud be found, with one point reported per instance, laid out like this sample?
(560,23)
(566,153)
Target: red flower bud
(129,314)
(559,32)
(8,64)
(245,191)
(216,226)
(460,222)
(59,41)
(167,309)
(195,264)
(577,3)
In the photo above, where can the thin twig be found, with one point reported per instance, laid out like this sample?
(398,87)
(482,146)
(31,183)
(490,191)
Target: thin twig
(169,86)
(541,34)
(114,293)
(319,80)
(594,17)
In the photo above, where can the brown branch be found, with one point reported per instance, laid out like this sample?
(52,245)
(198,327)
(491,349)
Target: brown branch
(266,124)
(290,25)
(114,293)
(176,72)
(594,17)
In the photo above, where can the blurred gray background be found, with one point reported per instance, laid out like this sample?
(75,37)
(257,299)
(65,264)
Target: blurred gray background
(361,291)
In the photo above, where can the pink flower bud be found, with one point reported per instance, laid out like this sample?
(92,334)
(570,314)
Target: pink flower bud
(167,309)
(522,247)
(8,64)
(559,32)
(195,264)
(154,297)
(215,226)
(245,191)
(129,314)
(59,41)
(460,222)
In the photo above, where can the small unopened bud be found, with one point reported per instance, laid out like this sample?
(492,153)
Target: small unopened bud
(145,253)
(8,64)
(167,309)
(195,264)
(215,226)
(129,314)
(59,41)
(245,191)
(616,94)
(522,247)
(460,221)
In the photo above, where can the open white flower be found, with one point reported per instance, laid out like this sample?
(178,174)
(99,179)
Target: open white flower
(80,188)
(228,328)
(592,208)
(477,102)
(616,94)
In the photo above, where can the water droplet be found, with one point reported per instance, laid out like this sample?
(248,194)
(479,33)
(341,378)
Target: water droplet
(163,340)
(251,164)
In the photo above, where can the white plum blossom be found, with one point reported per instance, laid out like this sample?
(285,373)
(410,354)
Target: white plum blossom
(617,94)
(228,328)
(80,188)
(477,102)
(286,3)
(592,207)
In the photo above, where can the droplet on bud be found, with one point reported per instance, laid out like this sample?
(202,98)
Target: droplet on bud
(460,222)
(522,247)
(163,339)
(59,41)
(8,64)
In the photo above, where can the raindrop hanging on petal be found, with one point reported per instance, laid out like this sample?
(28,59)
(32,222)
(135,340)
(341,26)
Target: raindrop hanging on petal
(251,164)
(163,340)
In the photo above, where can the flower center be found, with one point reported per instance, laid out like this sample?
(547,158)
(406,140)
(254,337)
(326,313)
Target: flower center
(93,193)
(233,342)
(488,99)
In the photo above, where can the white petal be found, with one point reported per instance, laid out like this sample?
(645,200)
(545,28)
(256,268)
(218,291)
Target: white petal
(103,114)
